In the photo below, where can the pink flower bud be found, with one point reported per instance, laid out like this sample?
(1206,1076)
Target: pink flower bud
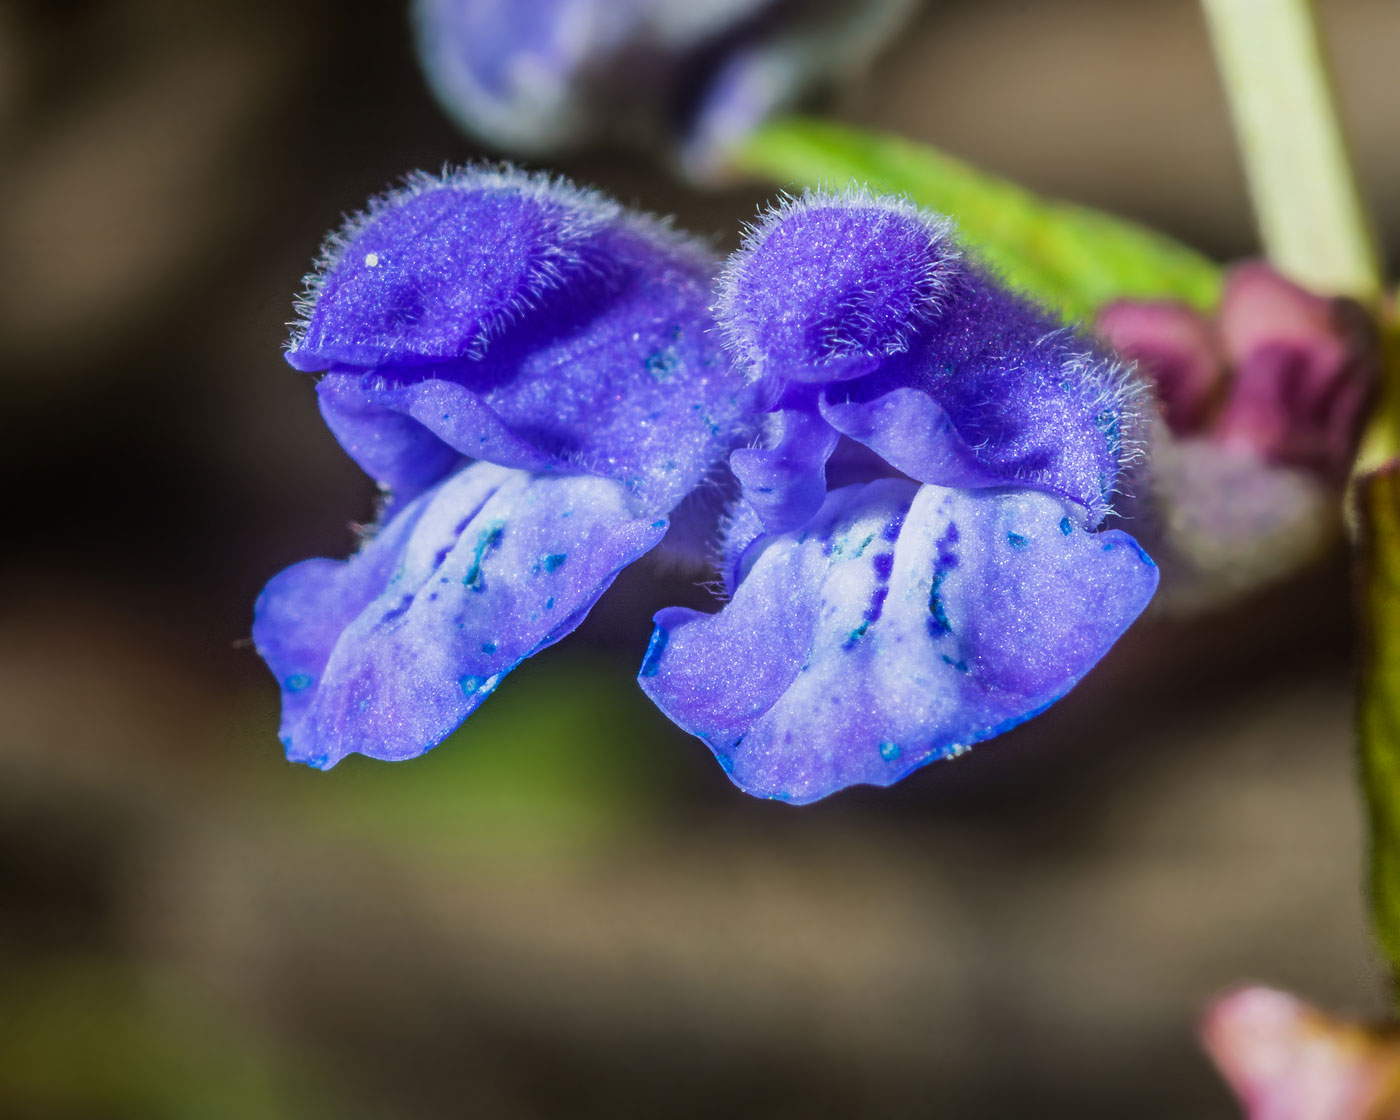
(1286,1060)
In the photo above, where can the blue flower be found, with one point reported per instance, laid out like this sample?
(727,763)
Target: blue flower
(915,559)
(917,562)
(532,372)
(538,76)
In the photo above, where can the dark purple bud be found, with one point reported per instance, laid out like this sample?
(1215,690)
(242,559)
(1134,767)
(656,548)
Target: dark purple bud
(1303,369)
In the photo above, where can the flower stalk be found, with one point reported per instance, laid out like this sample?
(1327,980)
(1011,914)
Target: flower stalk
(1300,174)
(1316,230)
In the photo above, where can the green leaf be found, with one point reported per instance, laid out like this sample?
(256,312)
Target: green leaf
(1072,258)
(1376,488)
(1378,503)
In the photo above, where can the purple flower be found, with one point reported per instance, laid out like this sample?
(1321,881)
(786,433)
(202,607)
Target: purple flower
(537,76)
(916,563)
(1263,406)
(531,371)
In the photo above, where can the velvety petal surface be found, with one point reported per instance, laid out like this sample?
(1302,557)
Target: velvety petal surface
(540,329)
(904,624)
(434,271)
(822,289)
(925,357)
(386,653)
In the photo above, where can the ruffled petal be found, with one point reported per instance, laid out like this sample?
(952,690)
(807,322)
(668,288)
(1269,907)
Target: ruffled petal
(396,432)
(904,624)
(385,654)
(786,483)
(909,430)
(304,609)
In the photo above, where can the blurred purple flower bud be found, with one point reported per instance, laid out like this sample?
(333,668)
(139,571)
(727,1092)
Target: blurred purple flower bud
(1288,1061)
(1281,372)
(912,566)
(1263,409)
(539,76)
(534,373)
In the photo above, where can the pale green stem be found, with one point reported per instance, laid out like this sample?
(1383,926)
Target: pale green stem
(1305,194)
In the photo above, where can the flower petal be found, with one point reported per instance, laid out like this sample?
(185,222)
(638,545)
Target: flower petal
(434,271)
(388,652)
(865,297)
(909,430)
(825,288)
(786,483)
(564,335)
(530,75)
(394,432)
(303,610)
(903,625)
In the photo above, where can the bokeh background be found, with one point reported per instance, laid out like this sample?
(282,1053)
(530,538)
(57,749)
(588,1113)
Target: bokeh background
(567,910)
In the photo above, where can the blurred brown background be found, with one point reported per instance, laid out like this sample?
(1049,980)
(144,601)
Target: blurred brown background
(567,910)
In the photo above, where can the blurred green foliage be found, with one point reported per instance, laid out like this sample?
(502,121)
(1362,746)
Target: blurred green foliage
(93,1037)
(566,754)
(1072,258)
(1377,510)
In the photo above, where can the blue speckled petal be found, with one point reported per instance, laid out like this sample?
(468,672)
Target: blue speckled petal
(528,324)
(385,654)
(903,625)
(303,610)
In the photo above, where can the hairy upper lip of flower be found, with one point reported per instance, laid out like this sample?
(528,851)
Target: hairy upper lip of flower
(862,314)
